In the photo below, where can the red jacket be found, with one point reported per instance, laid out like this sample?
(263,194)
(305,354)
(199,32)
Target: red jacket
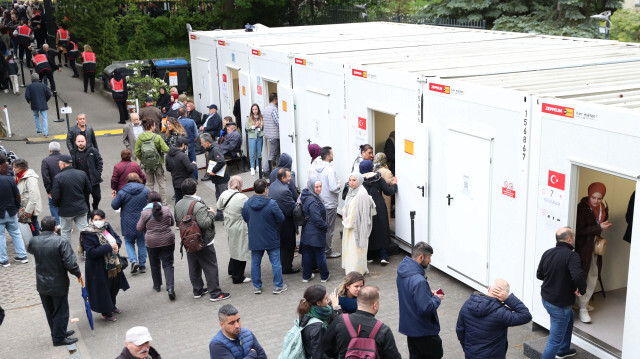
(122,170)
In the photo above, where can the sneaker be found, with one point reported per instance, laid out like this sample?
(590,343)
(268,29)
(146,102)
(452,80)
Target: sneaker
(143,269)
(333,254)
(21,260)
(116,311)
(257,290)
(584,316)
(134,268)
(222,296)
(369,260)
(6,90)
(384,262)
(246,280)
(279,290)
(253,172)
(325,280)
(5,264)
(310,278)
(110,318)
(568,354)
(201,293)
(576,307)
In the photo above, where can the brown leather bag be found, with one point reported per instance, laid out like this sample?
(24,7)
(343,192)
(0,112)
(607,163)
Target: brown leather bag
(600,246)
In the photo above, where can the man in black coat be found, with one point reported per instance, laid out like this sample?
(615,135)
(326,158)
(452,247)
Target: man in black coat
(194,114)
(87,159)
(81,128)
(54,258)
(70,193)
(214,154)
(337,338)
(49,169)
(279,191)
(179,165)
(37,94)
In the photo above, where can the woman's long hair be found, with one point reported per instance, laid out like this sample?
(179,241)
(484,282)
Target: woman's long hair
(349,279)
(311,296)
(177,127)
(155,198)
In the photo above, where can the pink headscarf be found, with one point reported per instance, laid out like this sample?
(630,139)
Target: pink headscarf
(314,151)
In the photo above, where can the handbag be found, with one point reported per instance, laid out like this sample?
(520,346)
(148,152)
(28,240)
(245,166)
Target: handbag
(600,247)
(124,262)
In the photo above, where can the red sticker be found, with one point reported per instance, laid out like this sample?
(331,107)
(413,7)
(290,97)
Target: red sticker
(557,110)
(193,37)
(259,90)
(508,192)
(440,88)
(556,180)
(224,78)
(302,62)
(362,123)
(221,42)
(359,73)
(255,52)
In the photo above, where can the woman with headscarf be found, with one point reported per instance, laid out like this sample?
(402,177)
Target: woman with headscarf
(591,220)
(381,166)
(357,215)
(366,153)
(314,232)
(380,233)
(230,203)
(314,153)
(102,270)
(285,161)
(164,100)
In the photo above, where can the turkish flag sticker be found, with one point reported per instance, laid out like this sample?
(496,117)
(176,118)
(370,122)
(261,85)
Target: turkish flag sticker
(362,123)
(556,180)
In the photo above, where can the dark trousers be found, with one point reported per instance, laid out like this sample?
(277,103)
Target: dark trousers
(427,347)
(192,158)
(161,256)
(35,226)
(72,63)
(48,75)
(22,50)
(204,261)
(89,77)
(286,258)
(96,195)
(313,257)
(114,288)
(122,109)
(178,194)
(236,270)
(57,311)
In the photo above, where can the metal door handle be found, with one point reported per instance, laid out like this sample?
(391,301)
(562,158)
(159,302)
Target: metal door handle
(291,136)
(421,188)
(449,198)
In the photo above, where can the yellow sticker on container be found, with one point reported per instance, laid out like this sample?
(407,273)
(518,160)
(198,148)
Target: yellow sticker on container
(244,91)
(284,106)
(408,147)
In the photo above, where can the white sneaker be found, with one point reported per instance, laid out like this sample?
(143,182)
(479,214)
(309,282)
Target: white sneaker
(253,172)
(246,280)
(325,280)
(589,308)
(313,275)
(584,316)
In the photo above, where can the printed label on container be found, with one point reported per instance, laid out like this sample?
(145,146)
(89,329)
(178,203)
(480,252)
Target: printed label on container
(556,180)
(408,147)
(255,52)
(302,62)
(557,110)
(440,88)
(221,42)
(359,73)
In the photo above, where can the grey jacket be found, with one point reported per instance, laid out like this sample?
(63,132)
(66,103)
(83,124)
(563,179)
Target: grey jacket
(331,188)
(54,258)
(204,218)
(271,129)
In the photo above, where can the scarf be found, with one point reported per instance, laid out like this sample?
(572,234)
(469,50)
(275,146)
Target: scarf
(366,166)
(111,260)
(235,182)
(314,151)
(598,211)
(363,211)
(20,175)
(322,313)
(379,161)
(311,186)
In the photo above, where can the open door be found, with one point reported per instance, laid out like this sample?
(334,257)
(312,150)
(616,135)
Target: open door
(286,109)
(469,203)
(412,163)
(245,97)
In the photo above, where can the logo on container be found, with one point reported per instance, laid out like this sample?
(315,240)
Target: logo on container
(359,73)
(221,42)
(557,110)
(440,88)
(302,62)
(255,52)
(194,37)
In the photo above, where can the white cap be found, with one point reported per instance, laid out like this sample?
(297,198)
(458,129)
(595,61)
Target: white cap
(138,335)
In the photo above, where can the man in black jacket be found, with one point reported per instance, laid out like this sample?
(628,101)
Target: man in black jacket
(213,122)
(49,169)
(81,129)
(194,114)
(214,155)
(562,279)
(54,258)
(87,159)
(70,193)
(280,192)
(178,164)
(336,339)
(233,139)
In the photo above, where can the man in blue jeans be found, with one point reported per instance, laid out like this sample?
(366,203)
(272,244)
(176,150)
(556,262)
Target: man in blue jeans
(263,217)
(562,279)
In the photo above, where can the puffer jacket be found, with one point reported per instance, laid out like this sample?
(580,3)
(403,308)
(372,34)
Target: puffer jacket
(263,217)
(314,232)
(158,233)
(54,258)
(131,198)
(30,193)
(418,306)
(483,323)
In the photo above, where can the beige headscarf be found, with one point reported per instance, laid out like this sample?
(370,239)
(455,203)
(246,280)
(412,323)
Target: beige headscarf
(235,182)
(363,211)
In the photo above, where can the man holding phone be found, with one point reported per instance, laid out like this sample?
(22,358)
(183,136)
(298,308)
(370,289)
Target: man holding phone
(419,305)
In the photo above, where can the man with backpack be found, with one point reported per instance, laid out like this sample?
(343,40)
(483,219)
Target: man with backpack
(361,335)
(197,232)
(234,341)
(149,150)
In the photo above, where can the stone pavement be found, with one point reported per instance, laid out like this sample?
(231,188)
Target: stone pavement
(183,328)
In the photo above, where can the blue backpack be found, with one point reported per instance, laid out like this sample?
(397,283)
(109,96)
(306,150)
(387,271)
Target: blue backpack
(293,348)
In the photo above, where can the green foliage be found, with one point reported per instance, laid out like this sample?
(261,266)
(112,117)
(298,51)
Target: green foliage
(110,42)
(544,25)
(625,26)
(137,46)
(140,86)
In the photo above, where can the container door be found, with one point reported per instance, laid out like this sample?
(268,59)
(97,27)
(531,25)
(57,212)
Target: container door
(245,97)
(468,203)
(203,91)
(286,115)
(412,163)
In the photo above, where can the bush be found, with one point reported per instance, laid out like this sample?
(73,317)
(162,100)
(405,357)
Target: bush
(625,26)
(140,86)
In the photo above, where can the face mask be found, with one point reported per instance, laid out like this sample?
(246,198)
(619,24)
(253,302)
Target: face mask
(98,224)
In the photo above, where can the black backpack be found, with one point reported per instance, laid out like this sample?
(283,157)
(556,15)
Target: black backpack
(299,218)
(190,232)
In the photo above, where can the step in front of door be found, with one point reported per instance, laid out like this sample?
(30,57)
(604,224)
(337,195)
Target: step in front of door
(534,348)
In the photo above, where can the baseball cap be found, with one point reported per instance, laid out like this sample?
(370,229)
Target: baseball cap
(213,107)
(65,159)
(138,335)
(231,123)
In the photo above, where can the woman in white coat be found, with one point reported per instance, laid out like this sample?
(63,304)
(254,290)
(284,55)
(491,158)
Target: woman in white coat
(30,202)
(231,202)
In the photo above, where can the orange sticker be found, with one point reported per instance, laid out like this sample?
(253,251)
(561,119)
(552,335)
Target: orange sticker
(408,147)
(284,106)
(244,91)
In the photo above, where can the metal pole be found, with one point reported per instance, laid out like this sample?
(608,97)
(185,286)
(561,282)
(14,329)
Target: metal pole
(67,116)
(412,214)
(6,116)
(22,72)
(55,95)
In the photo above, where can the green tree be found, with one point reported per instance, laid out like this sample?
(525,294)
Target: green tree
(625,26)
(109,44)
(137,47)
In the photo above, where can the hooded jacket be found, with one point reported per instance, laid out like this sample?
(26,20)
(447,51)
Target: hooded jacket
(483,323)
(131,198)
(263,217)
(314,232)
(161,146)
(285,161)
(326,174)
(30,193)
(418,306)
(179,165)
